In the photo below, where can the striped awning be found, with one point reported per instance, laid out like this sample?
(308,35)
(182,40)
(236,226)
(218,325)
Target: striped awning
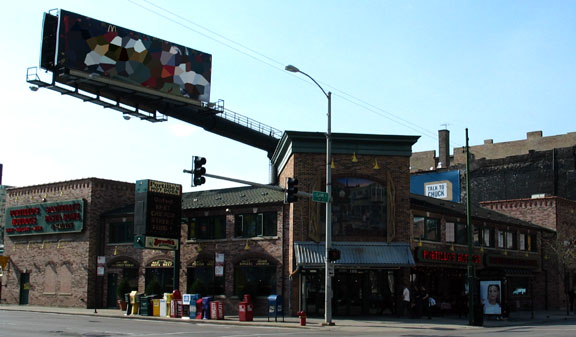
(355,254)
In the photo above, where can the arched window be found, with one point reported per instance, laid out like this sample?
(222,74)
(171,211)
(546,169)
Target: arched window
(161,270)
(202,278)
(359,207)
(254,276)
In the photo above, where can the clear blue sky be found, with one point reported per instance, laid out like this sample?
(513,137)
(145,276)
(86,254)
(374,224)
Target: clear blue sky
(498,68)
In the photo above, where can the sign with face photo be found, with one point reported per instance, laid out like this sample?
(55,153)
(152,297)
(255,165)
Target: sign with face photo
(491,297)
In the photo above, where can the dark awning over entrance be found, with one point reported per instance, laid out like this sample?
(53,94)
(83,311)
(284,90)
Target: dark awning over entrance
(355,254)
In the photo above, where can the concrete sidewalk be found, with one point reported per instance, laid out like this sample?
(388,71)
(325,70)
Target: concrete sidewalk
(515,319)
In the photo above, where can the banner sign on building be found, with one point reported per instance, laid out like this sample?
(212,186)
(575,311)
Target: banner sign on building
(45,218)
(74,42)
(157,213)
(440,185)
(440,256)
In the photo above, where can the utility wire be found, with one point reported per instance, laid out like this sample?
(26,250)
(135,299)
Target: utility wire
(240,48)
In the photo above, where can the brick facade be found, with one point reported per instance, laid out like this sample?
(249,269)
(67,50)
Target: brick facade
(69,258)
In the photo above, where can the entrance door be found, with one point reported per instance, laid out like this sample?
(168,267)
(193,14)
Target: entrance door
(24,288)
(349,292)
(111,298)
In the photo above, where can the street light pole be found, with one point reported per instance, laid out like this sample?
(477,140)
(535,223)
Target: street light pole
(328,266)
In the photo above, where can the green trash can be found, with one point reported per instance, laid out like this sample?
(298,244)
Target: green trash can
(145,305)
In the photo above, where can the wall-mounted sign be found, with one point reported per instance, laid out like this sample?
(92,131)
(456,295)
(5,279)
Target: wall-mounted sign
(45,218)
(219,268)
(100,264)
(152,242)
(123,264)
(162,264)
(511,262)
(446,256)
(158,209)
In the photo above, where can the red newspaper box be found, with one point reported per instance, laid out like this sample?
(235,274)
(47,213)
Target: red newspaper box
(216,310)
(245,311)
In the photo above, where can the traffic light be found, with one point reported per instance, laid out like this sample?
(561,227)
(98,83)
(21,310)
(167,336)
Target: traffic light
(333,254)
(291,190)
(198,171)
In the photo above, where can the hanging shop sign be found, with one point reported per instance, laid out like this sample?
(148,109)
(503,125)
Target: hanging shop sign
(45,218)
(157,212)
(510,262)
(152,242)
(441,256)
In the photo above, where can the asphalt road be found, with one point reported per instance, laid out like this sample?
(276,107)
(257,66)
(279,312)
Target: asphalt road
(31,324)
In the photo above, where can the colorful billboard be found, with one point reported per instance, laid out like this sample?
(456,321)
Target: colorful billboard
(440,185)
(101,49)
(46,218)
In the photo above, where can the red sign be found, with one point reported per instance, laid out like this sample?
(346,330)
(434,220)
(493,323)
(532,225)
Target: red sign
(443,256)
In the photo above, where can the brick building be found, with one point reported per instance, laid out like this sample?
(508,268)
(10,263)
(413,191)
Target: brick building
(53,235)
(247,240)
(506,250)
(558,215)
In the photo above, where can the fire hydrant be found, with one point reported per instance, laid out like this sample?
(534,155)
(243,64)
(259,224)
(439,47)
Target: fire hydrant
(302,316)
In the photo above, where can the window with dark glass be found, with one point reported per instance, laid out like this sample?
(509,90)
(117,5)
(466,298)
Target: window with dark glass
(207,228)
(256,277)
(488,237)
(427,228)
(201,278)
(461,233)
(255,224)
(476,235)
(532,242)
(121,232)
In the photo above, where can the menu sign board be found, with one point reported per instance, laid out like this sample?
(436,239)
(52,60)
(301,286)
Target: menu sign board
(45,218)
(158,209)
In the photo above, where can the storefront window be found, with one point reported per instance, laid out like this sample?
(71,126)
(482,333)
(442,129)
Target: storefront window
(255,224)
(121,232)
(427,228)
(358,207)
(256,277)
(163,272)
(207,228)
(201,278)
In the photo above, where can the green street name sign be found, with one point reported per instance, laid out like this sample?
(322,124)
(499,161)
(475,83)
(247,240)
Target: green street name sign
(319,196)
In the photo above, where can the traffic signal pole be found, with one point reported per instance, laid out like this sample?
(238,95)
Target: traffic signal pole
(251,183)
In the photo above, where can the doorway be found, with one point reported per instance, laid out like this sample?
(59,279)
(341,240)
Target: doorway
(24,288)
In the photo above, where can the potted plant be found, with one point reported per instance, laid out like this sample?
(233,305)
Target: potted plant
(122,289)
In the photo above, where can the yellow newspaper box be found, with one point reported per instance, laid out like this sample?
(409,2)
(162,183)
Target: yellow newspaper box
(134,302)
(156,307)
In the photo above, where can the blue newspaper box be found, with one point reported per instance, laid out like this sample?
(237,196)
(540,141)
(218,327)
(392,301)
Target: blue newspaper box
(193,308)
(275,307)
(206,307)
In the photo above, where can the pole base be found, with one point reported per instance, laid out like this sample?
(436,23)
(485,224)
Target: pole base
(328,324)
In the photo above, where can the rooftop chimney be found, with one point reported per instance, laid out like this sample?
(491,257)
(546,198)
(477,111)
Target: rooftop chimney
(443,148)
